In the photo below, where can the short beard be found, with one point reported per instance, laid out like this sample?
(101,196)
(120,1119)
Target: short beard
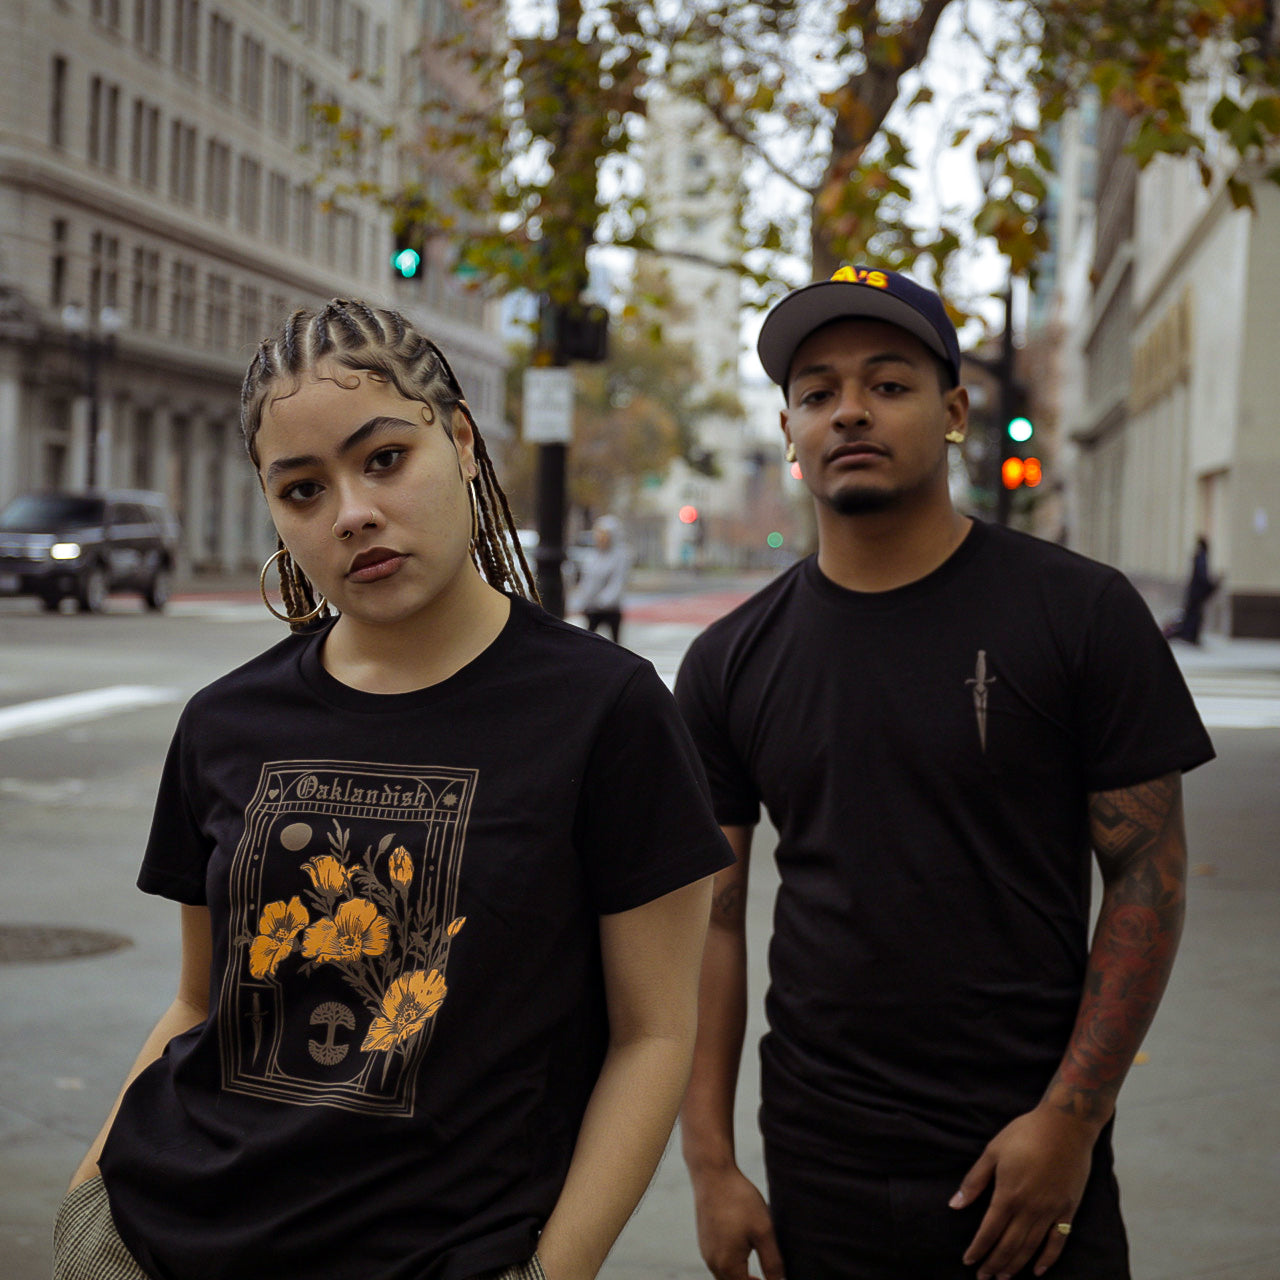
(858,502)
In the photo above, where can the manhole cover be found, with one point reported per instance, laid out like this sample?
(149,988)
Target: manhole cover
(30,942)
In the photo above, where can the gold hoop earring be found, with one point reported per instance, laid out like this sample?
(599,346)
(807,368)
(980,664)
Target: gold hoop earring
(954,437)
(791,451)
(475,512)
(271,609)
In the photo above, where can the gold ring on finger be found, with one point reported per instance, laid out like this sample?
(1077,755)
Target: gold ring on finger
(1062,1228)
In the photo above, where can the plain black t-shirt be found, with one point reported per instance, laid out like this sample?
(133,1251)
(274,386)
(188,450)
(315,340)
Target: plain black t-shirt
(926,755)
(407,1003)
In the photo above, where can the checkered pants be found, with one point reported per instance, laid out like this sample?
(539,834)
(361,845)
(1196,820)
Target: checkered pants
(86,1245)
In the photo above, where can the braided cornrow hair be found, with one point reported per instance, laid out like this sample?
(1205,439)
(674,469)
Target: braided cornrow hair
(376,340)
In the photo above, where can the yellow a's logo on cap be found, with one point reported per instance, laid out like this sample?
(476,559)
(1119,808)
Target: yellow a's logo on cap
(862,275)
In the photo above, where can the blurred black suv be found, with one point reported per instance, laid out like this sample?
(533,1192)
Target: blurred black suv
(85,545)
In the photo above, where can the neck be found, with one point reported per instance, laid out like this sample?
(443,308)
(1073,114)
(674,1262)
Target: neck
(881,550)
(422,649)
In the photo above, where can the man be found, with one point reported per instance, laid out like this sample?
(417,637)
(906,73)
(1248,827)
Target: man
(942,719)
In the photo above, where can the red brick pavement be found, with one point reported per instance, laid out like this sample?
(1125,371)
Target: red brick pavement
(698,609)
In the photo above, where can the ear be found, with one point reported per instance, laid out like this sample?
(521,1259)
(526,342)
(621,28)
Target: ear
(782,422)
(464,443)
(956,406)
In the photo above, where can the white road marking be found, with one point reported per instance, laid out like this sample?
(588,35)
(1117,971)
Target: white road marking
(72,708)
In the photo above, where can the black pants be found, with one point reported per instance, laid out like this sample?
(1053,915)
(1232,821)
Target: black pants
(890,1227)
(611,618)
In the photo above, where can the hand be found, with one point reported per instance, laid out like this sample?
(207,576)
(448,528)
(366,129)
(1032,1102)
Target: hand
(733,1219)
(1041,1163)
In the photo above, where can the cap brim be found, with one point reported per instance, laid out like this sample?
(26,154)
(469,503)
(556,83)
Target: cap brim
(800,313)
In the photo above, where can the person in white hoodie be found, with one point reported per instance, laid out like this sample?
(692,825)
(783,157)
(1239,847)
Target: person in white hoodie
(604,578)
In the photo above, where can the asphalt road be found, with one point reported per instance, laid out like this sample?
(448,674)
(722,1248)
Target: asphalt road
(1199,1129)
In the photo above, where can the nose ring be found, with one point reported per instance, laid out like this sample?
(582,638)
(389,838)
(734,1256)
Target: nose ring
(343,536)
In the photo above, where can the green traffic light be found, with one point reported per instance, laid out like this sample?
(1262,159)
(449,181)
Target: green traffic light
(406,262)
(1020,429)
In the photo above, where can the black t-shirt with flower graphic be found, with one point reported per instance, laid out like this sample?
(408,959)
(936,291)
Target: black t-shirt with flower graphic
(407,1003)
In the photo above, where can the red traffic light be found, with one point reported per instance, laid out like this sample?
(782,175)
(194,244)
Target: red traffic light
(688,515)
(1015,472)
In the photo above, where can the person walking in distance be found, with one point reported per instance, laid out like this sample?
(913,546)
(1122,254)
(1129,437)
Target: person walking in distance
(943,719)
(604,578)
(441,921)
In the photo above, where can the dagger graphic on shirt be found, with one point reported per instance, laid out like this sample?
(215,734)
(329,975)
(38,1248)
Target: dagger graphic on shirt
(981,683)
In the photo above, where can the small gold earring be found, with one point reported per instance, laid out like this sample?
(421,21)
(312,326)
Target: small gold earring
(791,451)
(954,437)
(271,609)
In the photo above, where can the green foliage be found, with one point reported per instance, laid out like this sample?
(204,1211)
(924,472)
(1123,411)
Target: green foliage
(821,96)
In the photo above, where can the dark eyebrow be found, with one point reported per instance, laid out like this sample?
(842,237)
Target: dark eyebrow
(362,433)
(884,357)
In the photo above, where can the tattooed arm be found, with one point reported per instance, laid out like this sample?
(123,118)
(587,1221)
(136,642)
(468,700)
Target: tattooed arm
(733,1219)
(1041,1160)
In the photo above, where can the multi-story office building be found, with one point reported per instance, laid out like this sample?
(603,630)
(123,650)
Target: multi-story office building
(175,176)
(693,183)
(1175,432)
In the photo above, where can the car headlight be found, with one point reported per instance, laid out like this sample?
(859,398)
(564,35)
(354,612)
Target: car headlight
(65,550)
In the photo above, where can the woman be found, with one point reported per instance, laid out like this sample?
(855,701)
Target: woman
(442,863)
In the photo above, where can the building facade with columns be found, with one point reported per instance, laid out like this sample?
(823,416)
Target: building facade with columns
(171,178)
(1177,434)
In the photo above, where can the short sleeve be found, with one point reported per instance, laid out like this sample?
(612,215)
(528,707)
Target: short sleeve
(645,825)
(700,697)
(177,853)
(1137,717)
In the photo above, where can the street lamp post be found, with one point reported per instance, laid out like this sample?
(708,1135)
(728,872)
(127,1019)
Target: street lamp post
(94,343)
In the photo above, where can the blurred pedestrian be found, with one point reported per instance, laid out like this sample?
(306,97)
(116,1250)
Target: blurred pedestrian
(605,573)
(1200,587)
(441,925)
(942,718)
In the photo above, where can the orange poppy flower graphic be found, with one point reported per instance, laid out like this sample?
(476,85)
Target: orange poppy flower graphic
(400,867)
(280,924)
(455,926)
(327,873)
(410,1001)
(356,930)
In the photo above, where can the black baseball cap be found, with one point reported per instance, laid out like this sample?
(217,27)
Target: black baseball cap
(866,293)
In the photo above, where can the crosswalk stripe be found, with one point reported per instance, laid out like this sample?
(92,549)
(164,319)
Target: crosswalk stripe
(72,708)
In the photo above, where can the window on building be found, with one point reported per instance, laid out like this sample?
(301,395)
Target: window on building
(111,129)
(278,207)
(58,72)
(217,323)
(97,94)
(220,42)
(252,61)
(250,316)
(311,19)
(146,289)
(182,162)
(380,49)
(104,272)
(146,25)
(144,159)
(281,87)
(217,178)
(106,12)
(304,219)
(104,123)
(359,40)
(335,20)
(306,111)
(58,264)
(182,301)
(249,202)
(186,36)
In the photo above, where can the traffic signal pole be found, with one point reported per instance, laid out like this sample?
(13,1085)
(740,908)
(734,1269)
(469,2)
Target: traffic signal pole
(1008,409)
